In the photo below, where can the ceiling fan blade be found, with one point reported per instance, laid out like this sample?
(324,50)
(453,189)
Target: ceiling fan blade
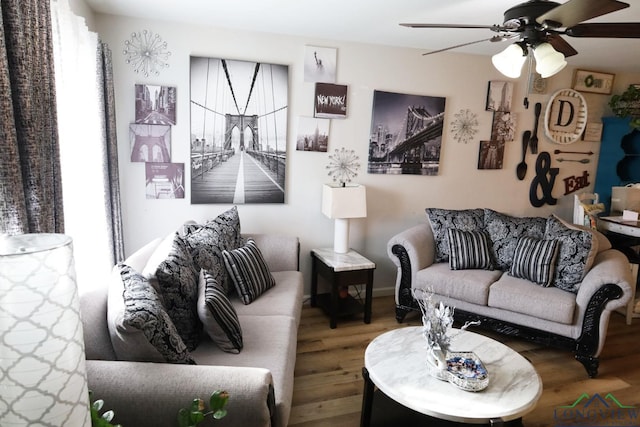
(493,39)
(574,12)
(620,30)
(561,45)
(489,27)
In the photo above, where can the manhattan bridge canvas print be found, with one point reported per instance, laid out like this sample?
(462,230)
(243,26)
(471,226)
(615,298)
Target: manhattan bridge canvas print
(238,131)
(406,134)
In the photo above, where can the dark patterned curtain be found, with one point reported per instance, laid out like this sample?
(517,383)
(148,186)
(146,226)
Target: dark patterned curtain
(30,180)
(114,213)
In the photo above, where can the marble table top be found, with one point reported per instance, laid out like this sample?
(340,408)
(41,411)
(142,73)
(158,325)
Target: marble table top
(351,260)
(396,361)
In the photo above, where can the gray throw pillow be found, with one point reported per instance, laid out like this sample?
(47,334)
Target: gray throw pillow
(443,219)
(218,315)
(207,241)
(178,284)
(577,250)
(249,271)
(143,312)
(505,231)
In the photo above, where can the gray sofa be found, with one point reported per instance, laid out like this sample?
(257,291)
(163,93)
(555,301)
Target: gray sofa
(576,320)
(259,379)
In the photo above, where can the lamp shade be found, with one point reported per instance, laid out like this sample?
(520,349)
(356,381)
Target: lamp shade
(510,61)
(42,360)
(344,202)
(548,60)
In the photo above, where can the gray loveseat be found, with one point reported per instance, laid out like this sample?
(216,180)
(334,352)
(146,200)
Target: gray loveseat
(574,318)
(259,378)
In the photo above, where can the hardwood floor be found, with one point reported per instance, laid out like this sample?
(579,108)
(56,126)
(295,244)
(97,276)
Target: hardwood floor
(328,380)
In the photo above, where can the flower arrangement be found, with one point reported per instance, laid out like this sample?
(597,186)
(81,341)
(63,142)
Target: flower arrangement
(437,320)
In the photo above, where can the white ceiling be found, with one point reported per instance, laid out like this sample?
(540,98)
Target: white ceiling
(376,21)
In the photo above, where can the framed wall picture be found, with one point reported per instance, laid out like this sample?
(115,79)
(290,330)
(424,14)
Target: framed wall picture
(592,81)
(499,95)
(155,104)
(406,134)
(330,101)
(592,132)
(239,118)
(150,143)
(313,134)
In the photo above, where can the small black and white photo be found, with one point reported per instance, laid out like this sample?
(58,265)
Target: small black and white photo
(164,180)
(320,64)
(491,155)
(499,95)
(330,101)
(150,143)
(155,105)
(503,127)
(313,134)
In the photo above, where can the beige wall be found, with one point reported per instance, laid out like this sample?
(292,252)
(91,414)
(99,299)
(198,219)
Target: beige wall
(394,202)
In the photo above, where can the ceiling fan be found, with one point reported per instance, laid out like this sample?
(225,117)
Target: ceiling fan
(538,27)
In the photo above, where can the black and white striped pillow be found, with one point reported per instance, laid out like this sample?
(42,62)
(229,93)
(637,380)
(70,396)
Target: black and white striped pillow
(534,259)
(218,315)
(468,249)
(249,271)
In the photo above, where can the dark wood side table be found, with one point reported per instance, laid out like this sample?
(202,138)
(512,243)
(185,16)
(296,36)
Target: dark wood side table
(341,270)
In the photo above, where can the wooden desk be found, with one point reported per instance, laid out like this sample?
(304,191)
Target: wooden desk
(623,235)
(341,270)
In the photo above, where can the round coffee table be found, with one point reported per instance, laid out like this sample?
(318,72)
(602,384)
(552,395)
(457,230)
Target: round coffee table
(395,363)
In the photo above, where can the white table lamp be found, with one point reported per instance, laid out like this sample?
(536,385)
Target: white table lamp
(42,356)
(341,203)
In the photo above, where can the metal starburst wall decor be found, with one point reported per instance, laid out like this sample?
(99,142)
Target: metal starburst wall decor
(343,166)
(147,53)
(465,126)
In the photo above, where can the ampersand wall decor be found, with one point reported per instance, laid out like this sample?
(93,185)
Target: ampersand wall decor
(543,181)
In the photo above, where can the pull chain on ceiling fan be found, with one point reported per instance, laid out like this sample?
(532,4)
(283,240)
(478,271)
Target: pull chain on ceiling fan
(538,25)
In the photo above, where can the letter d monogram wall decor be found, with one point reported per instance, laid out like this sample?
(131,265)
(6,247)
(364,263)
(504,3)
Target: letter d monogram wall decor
(565,117)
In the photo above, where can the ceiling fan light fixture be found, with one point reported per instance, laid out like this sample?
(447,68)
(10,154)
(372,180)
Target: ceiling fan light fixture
(510,61)
(548,60)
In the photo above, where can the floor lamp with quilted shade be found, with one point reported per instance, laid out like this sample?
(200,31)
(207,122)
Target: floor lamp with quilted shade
(42,361)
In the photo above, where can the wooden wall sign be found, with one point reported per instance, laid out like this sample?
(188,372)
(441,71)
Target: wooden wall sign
(575,183)
(565,117)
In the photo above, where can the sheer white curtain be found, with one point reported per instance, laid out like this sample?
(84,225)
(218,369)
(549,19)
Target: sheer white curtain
(82,151)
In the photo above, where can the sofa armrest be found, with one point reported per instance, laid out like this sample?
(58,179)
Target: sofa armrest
(419,245)
(610,267)
(282,253)
(142,393)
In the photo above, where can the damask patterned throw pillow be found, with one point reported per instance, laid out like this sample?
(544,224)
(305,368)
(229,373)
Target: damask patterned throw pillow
(249,271)
(443,219)
(143,315)
(207,241)
(577,251)
(534,259)
(218,315)
(469,249)
(178,284)
(505,231)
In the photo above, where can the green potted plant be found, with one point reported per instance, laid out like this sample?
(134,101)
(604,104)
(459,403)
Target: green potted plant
(187,417)
(194,414)
(627,104)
